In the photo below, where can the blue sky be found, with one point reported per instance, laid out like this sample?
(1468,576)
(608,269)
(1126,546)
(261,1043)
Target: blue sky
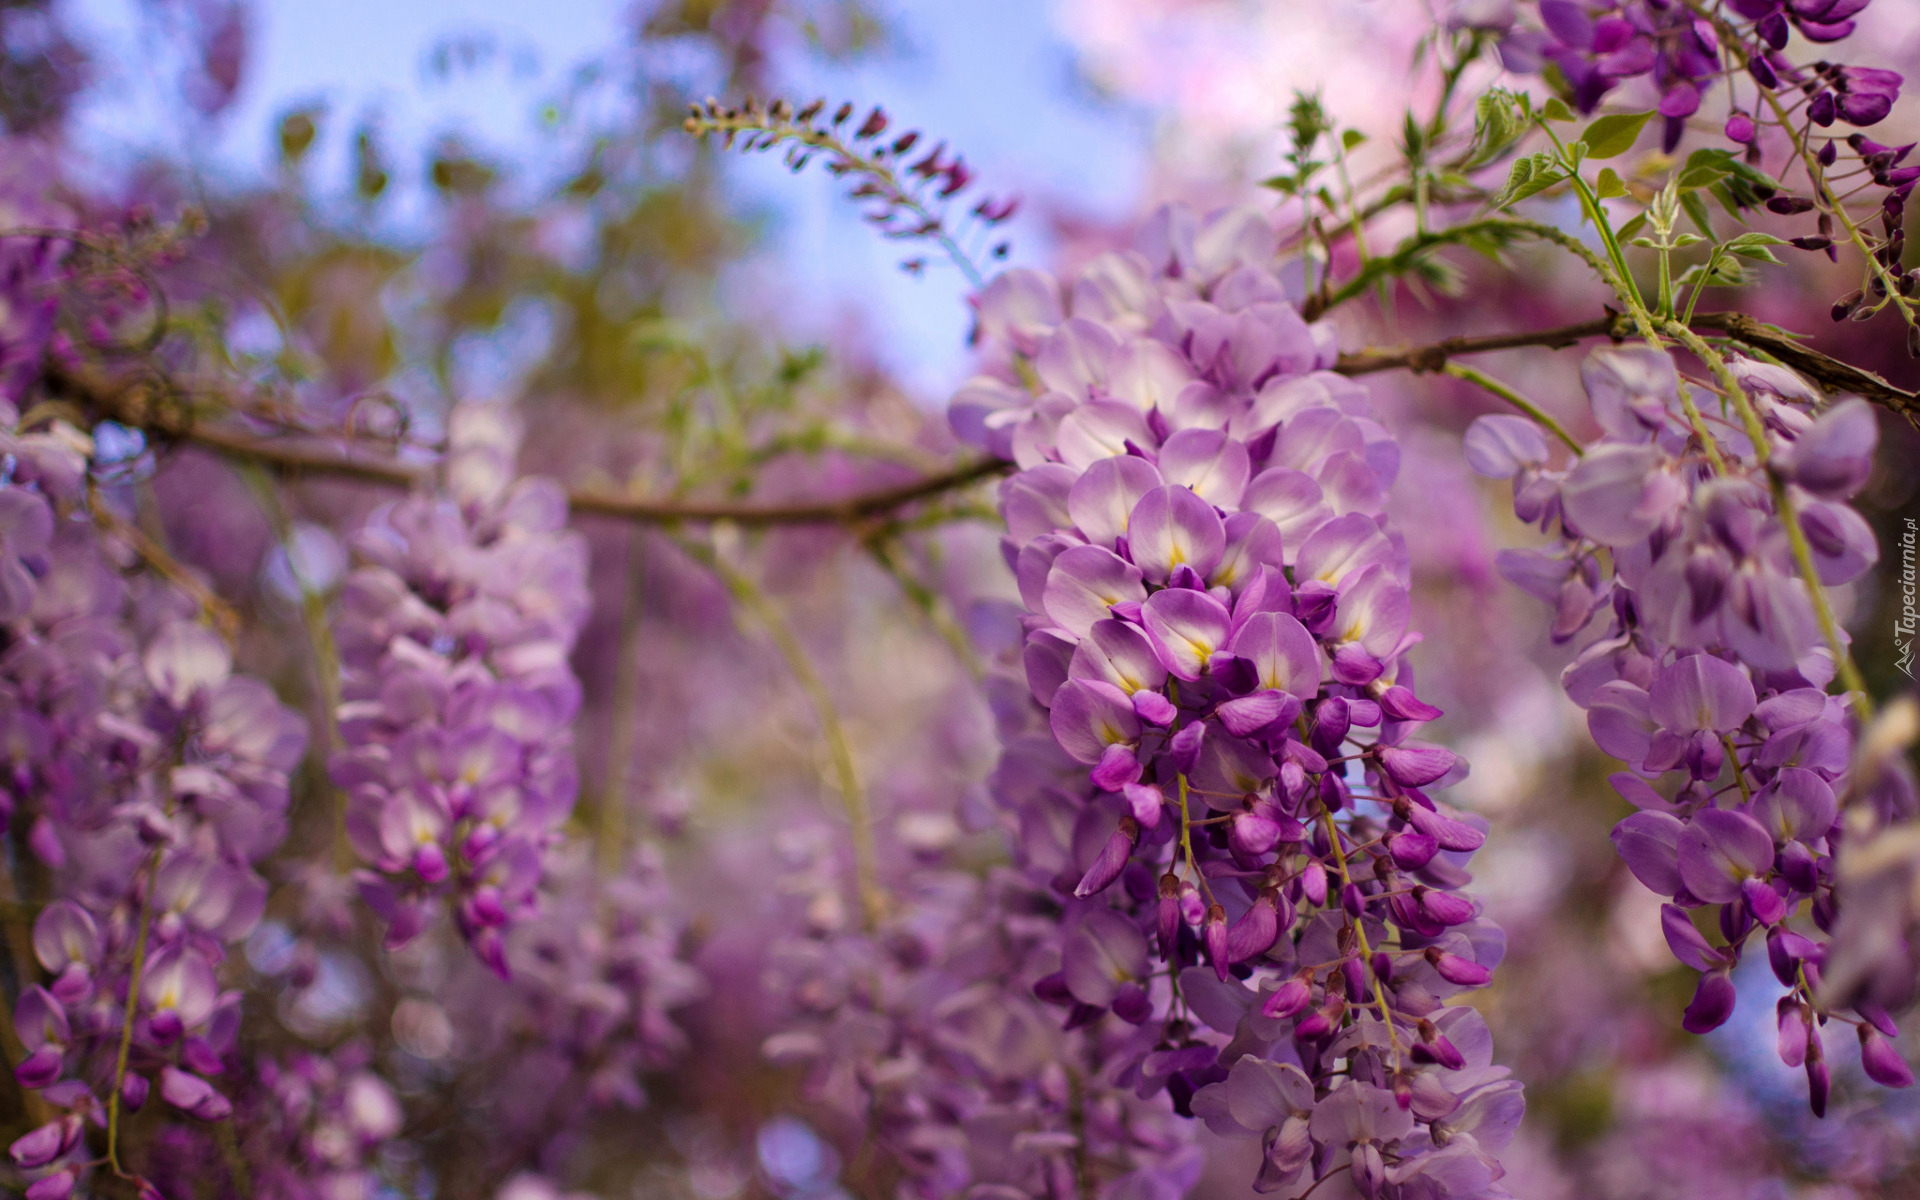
(989,75)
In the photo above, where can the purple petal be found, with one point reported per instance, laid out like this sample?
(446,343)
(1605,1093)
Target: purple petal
(1701,692)
(1500,445)
(1414,764)
(1291,500)
(1249,714)
(1797,805)
(1833,456)
(1283,653)
(1171,527)
(1085,583)
(1617,494)
(1718,850)
(1712,1003)
(1186,629)
(1103,498)
(1088,716)
(1340,547)
(1207,462)
(1649,844)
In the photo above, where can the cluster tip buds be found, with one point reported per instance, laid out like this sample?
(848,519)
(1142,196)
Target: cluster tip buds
(1712,1003)
(1463,972)
(1215,935)
(1112,859)
(1289,999)
(1881,1061)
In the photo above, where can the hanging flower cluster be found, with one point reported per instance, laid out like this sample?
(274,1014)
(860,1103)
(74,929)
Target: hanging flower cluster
(1711,673)
(149,779)
(928,1035)
(1686,51)
(596,975)
(458,698)
(318,1121)
(1226,778)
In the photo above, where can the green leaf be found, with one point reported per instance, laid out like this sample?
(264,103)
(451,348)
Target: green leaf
(1496,126)
(1351,138)
(1609,185)
(1281,183)
(1614,133)
(1532,174)
(1754,246)
(1730,199)
(1413,137)
(1697,209)
(1557,110)
(1517,177)
(1541,181)
(1706,167)
(1687,239)
(1631,227)
(1726,273)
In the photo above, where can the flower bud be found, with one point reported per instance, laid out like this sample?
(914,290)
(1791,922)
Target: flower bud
(1712,1003)
(1457,970)
(133,1091)
(1352,899)
(1167,914)
(1448,908)
(1819,1080)
(57,1186)
(1289,998)
(1354,977)
(1111,860)
(41,1067)
(1411,850)
(1214,935)
(1794,1030)
(1313,884)
(43,1145)
(1881,1061)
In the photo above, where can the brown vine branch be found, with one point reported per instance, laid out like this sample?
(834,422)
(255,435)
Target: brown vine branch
(1829,372)
(129,404)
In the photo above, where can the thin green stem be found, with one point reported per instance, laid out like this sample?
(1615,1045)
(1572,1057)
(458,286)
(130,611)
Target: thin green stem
(1739,772)
(1406,254)
(132,1010)
(1360,932)
(1488,383)
(1591,204)
(1849,673)
(326,653)
(1713,262)
(882,548)
(1186,843)
(866,866)
(610,815)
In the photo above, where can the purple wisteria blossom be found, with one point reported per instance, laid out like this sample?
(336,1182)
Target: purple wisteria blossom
(1212,782)
(148,779)
(937,1035)
(1709,676)
(454,633)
